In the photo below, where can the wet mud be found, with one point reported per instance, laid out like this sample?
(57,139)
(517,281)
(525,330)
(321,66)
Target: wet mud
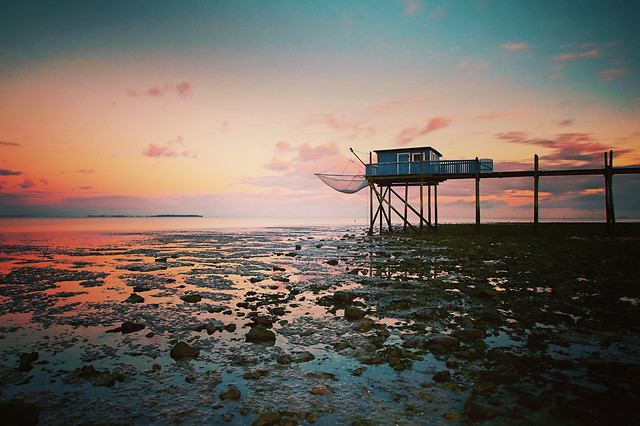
(322,325)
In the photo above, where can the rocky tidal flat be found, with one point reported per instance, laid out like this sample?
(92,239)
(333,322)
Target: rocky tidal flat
(323,325)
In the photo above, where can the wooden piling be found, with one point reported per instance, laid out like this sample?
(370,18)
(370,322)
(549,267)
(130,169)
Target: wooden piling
(536,179)
(435,199)
(421,194)
(477,194)
(406,206)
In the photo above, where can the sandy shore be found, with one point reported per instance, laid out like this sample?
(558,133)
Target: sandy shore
(322,325)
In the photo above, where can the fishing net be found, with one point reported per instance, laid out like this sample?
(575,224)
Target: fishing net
(348,184)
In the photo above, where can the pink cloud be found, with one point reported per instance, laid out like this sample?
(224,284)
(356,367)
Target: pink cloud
(612,74)
(166,151)
(27,183)
(354,128)
(307,153)
(282,146)
(411,8)
(571,56)
(183,89)
(278,165)
(494,115)
(566,149)
(224,127)
(515,46)
(407,135)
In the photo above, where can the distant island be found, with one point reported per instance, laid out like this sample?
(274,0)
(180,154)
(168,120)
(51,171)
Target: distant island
(155,215)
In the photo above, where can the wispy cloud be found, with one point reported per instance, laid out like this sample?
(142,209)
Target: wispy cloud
(495,115)
(567,122)
(465,64)
(5,172)
(566,149)
(167,150)
(352,128)
(3,143)
(515,46)
(411,8)
(408,135)
(572,56)
(612,74)
(27,183)
(183,89)
(278,165)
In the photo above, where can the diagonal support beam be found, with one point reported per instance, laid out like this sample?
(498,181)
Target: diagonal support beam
(381,199)
(411,208)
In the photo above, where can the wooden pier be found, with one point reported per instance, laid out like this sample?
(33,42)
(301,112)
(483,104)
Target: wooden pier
(383,177)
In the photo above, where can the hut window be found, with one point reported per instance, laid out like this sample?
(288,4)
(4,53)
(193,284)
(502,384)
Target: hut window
(417,156)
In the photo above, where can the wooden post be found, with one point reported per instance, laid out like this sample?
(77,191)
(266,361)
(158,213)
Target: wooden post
(613,213)
(477,195)
(435,199)
(421,194)
(535,193)
(371,195)
(381,207)
(406,203)
(429,206)
(607,211)
(389,216)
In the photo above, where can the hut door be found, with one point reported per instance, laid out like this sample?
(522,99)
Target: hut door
(403,164)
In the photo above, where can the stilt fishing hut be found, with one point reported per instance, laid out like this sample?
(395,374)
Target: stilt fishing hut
(423,167)
(403,168)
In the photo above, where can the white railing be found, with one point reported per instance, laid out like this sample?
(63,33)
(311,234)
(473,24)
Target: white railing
(442,167)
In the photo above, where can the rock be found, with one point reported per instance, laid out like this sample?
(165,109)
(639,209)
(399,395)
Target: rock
(449,342)
(18,412)
(254,280)
(451,417)
(302,357)
(353,313)
(452,363)
(425,314)
(321,390)
(363,325)
(284,359)
(162,259)
(135,298)
(343,297)
(332,262)
(469,335)
(262,320)
(442,376)
(127,327)
(298,247)
(437,349)
(232,393)
(90,374)
(256,374)
(230,327)
(191,298)
(477,411)
(183,351)
(26,359)
(259,334)
(267,419)
(483,388)
(140,289)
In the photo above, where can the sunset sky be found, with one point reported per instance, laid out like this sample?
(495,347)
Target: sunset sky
(227,108)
